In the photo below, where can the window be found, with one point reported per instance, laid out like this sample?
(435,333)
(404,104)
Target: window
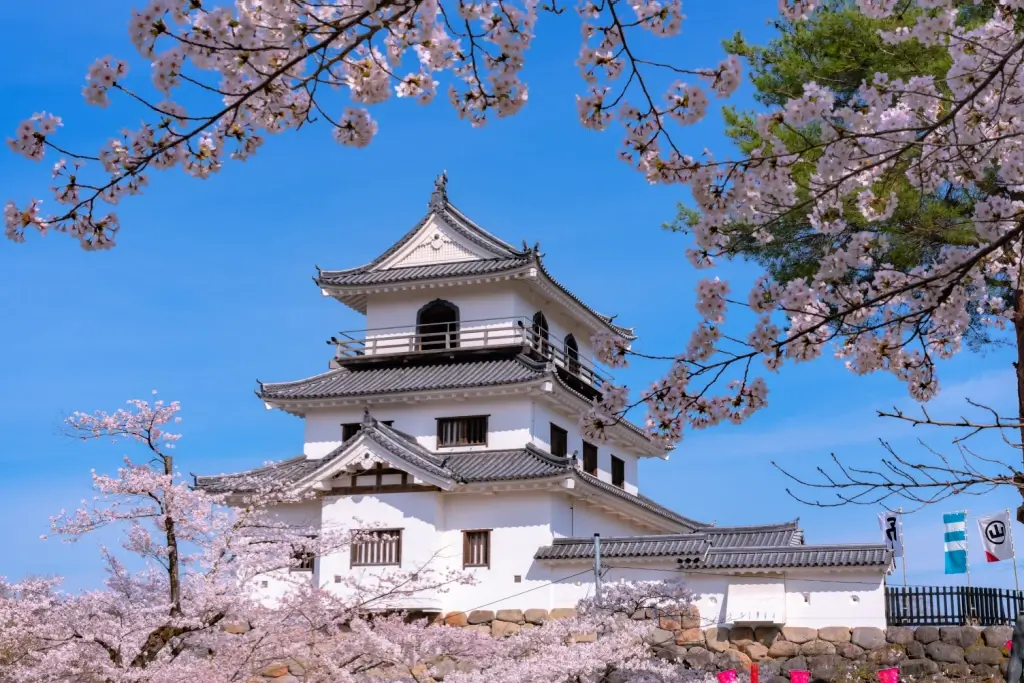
(462,431)
(304,560)
(437,325)
(572,355)
(378,548)
(590,458)
(350,429)
(559,441)
(539,328)
(476,548)
(618,472)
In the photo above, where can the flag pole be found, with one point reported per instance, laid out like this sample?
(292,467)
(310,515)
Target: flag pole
(967,552)
(1013,555)
(903,549)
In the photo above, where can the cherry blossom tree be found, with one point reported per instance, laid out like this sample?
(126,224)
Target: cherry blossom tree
(180,600)
(264,66)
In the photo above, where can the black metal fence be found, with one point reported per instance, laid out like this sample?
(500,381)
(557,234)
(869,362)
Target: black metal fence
(951,606)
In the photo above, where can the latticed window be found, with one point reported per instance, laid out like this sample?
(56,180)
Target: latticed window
(476,548)
(377,548)
(462,431)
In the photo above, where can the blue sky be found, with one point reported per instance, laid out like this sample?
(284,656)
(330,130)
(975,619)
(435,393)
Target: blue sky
(210,289)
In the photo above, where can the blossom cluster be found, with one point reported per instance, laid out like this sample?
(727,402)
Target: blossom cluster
(190,606)
(941,138)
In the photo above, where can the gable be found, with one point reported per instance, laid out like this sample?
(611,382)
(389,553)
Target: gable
(436,242)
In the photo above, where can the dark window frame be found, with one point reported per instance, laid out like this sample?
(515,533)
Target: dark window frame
(541,333)
(572,354)
(474,431)
(437,335)
(590,458)
(468,561)
(353,428)
(354,550)
(562,440)
(618,472)
(305,558)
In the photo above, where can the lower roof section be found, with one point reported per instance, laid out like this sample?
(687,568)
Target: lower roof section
(724,548)
(450,471)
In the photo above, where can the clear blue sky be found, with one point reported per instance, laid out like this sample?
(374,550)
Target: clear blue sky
(210,288)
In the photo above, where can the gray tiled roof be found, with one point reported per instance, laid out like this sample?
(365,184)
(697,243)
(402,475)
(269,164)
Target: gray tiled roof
(698,552)
(868,555)
(507,258)
(458,466)
(361,276)
(372,381)
(765,536)
(524,463)
(663,545)
(269,476)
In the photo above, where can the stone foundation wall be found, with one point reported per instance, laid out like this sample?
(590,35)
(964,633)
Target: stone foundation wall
(833,654)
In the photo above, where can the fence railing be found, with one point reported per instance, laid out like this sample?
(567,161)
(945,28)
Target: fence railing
(951,606)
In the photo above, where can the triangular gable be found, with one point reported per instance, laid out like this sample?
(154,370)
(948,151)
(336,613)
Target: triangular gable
(436,241)
(366,450)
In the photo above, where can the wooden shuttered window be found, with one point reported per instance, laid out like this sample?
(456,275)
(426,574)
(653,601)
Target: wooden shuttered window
(559,441)
(462,431)
(618,472)
(476,548)
(350,429)
(590,458)
(378,548)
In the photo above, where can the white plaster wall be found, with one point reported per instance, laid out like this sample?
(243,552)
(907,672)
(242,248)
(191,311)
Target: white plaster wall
(520,524)
(508,425)
(302,516)
(488,306)
(420,515)
(574,518)
(542,418)
(814,599)
(526,302)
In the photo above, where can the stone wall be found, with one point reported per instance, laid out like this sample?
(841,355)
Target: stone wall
(833,654)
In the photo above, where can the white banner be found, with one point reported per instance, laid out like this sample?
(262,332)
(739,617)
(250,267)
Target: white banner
(892,530)
(996,536)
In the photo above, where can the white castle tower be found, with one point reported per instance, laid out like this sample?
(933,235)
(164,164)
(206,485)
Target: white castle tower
(450,425)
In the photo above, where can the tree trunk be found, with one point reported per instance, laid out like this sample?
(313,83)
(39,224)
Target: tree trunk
(173,571)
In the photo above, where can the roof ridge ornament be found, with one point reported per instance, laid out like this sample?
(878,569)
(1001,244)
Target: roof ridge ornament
(367,420)
(439,197)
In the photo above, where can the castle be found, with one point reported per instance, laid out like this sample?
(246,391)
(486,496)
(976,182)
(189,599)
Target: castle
(450,426)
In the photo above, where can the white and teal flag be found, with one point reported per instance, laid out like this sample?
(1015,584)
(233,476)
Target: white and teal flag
(956,542)
(995,536)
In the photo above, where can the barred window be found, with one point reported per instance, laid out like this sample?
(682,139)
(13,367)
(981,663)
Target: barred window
(462,431)
(378,548)
(476,548)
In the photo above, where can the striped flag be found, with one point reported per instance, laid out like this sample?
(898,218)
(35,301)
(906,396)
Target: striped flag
(956,542)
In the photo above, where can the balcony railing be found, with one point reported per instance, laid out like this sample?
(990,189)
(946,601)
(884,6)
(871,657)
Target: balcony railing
(467,334)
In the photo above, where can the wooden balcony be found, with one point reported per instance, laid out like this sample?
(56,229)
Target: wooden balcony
(446,338)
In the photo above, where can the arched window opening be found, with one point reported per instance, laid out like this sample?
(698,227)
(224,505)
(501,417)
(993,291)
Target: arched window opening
(437,325)
(572,354)
(540,333)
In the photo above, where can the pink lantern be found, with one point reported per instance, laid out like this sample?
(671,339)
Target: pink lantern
(797,676)
(1009,645)
(889,676)
(727,676)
